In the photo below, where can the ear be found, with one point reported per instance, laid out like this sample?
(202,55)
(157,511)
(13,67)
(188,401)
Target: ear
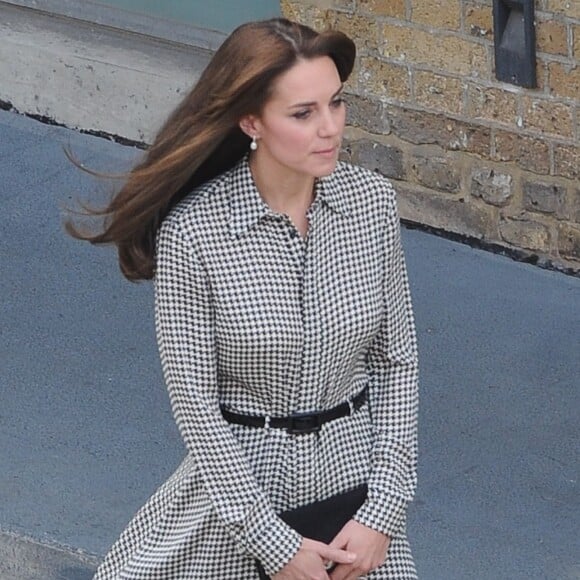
(250,125)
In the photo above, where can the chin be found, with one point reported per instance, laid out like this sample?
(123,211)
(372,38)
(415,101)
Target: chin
(326,169)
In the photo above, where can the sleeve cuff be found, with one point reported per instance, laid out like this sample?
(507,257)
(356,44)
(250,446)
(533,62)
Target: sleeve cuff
(384,514)
(271,541)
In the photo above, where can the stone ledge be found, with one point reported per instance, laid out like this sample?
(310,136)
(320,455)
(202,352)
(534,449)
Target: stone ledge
(114,17)
(27,559)
(92,77)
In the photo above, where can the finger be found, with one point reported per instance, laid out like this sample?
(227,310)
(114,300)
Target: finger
(335,554)
(345,572)
(354,574)
(341,572)
(339,541)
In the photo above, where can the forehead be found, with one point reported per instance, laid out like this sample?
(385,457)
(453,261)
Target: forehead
(308,80)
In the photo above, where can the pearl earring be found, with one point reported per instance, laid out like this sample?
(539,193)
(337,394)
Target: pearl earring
(253,144)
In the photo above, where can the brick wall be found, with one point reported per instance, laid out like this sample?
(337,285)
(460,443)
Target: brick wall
(468,154)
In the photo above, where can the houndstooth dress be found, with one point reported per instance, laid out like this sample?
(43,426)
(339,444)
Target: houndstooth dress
(254,317)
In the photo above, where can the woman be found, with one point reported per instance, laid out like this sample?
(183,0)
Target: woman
(280,290)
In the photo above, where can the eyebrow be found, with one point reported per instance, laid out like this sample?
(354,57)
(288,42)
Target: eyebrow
(312,103)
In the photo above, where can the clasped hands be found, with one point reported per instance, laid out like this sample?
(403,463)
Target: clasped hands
(356,550)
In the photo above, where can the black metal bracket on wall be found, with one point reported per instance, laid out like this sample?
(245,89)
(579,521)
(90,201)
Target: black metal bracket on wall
(515,42)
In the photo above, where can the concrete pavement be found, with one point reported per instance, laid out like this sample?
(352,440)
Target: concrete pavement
(86,433)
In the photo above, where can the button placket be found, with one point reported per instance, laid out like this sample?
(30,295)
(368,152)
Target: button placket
(292,249)
(307,396)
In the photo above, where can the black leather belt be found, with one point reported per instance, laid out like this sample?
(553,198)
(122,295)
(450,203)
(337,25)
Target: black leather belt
(299,422)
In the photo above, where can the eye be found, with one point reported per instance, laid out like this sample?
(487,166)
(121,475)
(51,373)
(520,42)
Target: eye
(337,103)
(304,114)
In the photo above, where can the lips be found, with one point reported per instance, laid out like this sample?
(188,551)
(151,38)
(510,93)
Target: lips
(326,152)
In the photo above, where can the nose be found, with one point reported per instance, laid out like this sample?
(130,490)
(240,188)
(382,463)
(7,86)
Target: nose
(330,124)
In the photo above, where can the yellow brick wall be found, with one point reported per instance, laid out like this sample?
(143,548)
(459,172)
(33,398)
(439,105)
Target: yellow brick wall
(468,154)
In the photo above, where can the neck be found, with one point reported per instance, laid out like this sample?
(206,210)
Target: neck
(284,190)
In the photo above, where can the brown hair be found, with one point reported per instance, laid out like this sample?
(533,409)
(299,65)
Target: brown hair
(201,138)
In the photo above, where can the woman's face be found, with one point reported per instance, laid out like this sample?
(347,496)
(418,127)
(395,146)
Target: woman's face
(300,128)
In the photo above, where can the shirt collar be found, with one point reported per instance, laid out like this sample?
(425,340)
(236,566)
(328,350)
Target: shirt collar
(247,207)
(333,193)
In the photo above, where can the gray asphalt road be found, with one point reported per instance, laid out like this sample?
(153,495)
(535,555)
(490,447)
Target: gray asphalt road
(86,434)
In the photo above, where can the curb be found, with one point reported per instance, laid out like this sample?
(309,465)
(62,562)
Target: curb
(24,558)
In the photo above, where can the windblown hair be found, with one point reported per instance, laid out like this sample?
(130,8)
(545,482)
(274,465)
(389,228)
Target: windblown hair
(201,139)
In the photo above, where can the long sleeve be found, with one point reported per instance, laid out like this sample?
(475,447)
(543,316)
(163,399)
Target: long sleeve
(185,331)
(393,396)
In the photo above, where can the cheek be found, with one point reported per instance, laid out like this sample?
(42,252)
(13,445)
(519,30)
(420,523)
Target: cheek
(291,138)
